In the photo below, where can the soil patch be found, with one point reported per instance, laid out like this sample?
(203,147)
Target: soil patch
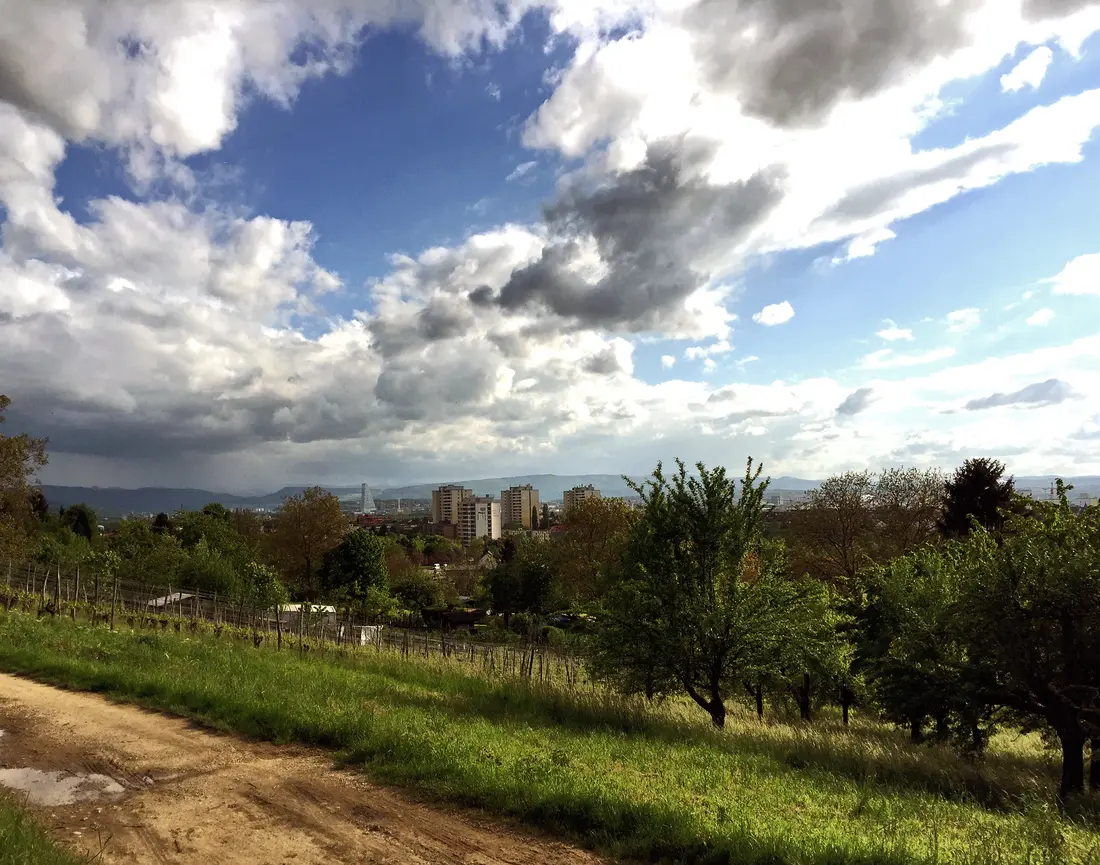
(138,786)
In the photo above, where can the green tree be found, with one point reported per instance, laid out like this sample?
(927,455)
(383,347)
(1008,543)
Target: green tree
(260,588)
(355,567)
(217,554)
(977,491)
(82,520)
(528,581)
(589,551)
(152,559)
(711,597)
(914,658)
(105,565)
(208,569)
(306,527)
(1029,616)
(21,456)
(852,522)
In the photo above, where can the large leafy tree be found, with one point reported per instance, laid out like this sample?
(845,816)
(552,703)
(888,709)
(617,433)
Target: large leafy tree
(153,559)
(832,534)
(857,519)
(1029,617)
(217,554)
(589,550)
(21,456)
(82,520)
(526,581)
(911,651)
(306,527)
(851,523)
(704,604)
(355,567)
(978,491)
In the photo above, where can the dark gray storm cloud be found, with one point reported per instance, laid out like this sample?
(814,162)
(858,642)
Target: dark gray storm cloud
(443,320)
(856,401)
(652,226)
(605,362)
(433,388)
(1039,9)
(1049,392)
(808,54)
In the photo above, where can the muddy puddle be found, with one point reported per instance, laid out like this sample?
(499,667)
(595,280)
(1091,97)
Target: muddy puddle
(59,788)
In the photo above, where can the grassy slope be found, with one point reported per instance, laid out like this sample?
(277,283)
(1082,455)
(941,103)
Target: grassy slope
(650,784)
(23,843)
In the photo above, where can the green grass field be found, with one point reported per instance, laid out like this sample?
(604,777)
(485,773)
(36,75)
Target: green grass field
(655,784)
(23,843)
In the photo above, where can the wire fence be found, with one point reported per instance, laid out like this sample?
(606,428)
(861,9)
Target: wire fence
(89,596)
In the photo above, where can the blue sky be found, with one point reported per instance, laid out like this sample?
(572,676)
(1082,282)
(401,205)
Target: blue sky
(547,236)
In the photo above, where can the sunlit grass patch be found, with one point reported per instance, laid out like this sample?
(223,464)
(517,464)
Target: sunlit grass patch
(653,782)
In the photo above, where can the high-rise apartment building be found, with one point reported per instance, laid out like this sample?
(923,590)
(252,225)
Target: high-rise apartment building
(478,517)
(446,501)
(520,505)
(578,494)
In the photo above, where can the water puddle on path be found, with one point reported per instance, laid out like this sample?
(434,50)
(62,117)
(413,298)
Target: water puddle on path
(59,788)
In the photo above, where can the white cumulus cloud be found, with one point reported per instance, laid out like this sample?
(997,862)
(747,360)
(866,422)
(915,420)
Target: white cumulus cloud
(169,337)
(892,333)
(774,313)
(1041,317)
(1080,276)
(1029,72)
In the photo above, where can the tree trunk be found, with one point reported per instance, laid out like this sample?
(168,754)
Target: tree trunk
(1094,764)
(718,713)
(1073,763)
(759,702)
(804,698)
(942,731)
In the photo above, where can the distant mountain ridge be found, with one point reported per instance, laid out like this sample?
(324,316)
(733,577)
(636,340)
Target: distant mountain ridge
(116,501)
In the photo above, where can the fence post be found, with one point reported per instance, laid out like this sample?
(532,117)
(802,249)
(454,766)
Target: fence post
(114,602)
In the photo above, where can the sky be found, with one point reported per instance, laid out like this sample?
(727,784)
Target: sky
(246,243)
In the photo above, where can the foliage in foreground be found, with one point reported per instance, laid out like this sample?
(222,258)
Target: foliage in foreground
(705,605)
(23,843)
(653,783)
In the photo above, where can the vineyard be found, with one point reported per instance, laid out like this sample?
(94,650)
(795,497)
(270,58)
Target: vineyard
(50,592)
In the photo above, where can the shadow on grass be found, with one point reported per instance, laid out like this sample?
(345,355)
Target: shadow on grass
(865,755)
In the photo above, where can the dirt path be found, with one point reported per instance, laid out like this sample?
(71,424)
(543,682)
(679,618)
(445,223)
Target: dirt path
(156,789)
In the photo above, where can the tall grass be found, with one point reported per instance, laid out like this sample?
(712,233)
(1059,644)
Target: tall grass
(653,783)
(23,843)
